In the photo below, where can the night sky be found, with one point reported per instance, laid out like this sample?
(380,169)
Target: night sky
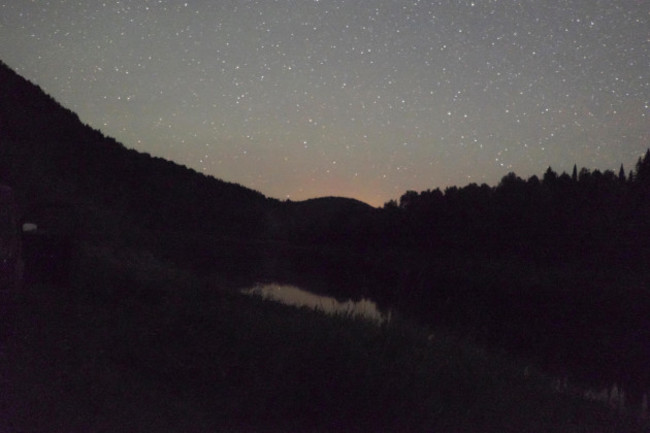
(363,99)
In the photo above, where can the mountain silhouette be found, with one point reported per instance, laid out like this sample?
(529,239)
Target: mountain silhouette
(551,268)
(46,152)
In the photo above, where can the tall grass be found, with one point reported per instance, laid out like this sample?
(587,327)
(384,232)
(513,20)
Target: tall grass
(119,353)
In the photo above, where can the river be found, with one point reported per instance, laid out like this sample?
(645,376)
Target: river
(295,296)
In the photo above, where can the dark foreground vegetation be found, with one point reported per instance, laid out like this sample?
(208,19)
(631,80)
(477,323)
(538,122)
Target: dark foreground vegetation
(145,347)
(129,315)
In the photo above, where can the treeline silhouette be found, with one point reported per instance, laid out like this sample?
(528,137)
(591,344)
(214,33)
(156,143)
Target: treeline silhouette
(553,269)
(590,217)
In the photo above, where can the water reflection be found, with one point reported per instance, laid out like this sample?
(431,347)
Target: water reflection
(292,295)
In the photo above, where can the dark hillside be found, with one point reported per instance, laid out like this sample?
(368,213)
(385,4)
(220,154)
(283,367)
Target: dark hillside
(47,154)
(128,198)
(551,269)
(325,220)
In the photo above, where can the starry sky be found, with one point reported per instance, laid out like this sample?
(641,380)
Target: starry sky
(364,99)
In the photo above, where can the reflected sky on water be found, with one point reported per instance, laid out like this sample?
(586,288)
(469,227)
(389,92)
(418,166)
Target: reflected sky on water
(292,295)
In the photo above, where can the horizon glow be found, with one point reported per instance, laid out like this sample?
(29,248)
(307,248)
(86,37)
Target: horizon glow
(346,98)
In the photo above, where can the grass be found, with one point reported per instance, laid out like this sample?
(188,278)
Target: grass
(178,354)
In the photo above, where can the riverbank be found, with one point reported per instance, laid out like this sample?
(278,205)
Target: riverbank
(117,354)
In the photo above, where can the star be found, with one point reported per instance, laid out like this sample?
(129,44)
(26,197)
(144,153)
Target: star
(269,94)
